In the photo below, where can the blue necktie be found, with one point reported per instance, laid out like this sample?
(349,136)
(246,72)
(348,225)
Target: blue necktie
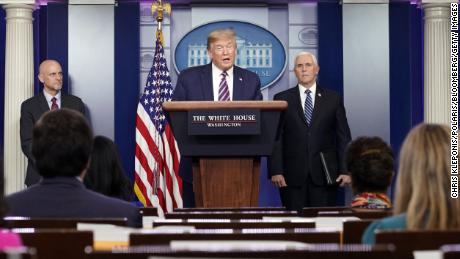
(308,111)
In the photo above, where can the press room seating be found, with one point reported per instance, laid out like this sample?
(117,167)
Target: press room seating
(307,235)
(408,241)
(323,251)
(249,214)
(451,251)
(57,243)
(24,222)
(353,230)
(23,253)
(233,223)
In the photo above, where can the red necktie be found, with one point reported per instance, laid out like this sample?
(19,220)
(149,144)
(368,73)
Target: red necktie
(54,104)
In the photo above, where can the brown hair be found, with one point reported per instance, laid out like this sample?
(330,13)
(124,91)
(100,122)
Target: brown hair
(423,183)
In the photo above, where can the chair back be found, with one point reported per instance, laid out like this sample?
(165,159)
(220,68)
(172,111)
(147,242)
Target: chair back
(353,230)
(58,223)
(21,253)
(362,214)
(57,243)
(451,251)
(313,211)
(306,235)
(253,214)
(148,211)
(321,251)
(233,223)
(406,242)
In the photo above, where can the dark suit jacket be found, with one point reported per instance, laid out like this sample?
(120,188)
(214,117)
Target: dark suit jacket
(297,149)
(31,110)
(67,197)
(195,84)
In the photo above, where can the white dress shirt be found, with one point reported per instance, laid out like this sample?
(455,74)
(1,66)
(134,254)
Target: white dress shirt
(303,95)
(217,77)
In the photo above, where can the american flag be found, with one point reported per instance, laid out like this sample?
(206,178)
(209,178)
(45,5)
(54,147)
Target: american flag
(157,180)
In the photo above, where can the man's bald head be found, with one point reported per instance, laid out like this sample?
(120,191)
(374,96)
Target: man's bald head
(50,74)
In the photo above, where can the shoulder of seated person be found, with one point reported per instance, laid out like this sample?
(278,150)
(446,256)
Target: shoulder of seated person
(397,221)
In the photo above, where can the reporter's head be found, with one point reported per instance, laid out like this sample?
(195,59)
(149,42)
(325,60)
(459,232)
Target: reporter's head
(61,143)
(423,183)
(370,161)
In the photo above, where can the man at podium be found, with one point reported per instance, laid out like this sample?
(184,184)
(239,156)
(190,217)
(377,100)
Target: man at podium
(307,163)
(219,80)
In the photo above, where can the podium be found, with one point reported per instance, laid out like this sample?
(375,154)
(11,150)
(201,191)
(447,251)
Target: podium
(226,141)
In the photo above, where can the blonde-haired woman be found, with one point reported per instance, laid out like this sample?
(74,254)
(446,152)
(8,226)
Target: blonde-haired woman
(423,185)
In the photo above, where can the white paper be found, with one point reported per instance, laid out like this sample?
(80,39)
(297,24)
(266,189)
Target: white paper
(428,254)
(287,219)
(332,223)
(147,221)
(107,232)
(172,229)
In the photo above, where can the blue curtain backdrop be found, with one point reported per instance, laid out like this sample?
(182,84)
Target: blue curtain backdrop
(406,86)
(127,44)
(51,39)
(406,72)
(330,54)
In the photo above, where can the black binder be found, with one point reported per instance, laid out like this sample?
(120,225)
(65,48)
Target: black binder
(326,170)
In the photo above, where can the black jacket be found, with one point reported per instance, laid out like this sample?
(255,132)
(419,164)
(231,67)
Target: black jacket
(31,110)
(297,150)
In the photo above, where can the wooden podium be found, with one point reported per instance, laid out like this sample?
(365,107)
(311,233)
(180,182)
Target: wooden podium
(226,165)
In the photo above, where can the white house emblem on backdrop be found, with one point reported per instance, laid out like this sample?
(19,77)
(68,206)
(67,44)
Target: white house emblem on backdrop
(257,50)
(249,54)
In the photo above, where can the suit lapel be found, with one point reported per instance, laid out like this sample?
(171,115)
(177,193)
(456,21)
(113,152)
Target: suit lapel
(319,102)
(238,89)
(64,103)
(297,104)
(43,103)
(206,83)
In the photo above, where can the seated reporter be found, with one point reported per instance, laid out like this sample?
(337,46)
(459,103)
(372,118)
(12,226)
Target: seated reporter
(423,199)
(370,163)
(105,174)
(61,144)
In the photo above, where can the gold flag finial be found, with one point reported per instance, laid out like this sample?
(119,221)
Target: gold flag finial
(159,8)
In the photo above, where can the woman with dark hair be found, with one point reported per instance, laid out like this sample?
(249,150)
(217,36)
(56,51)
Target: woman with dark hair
(370,161)
(7,239)
(105,173)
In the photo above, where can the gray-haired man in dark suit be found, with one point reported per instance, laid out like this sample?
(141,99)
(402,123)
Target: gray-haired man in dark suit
(307,162)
